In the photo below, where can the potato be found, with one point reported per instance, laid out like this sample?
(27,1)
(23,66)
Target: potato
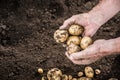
(89,72)
(97,71)
(80,74)
(60,35)
(43,78)
(75,30)
(74,79)
(70,77)
(40,70)
(74,39)
(84,78)
(72,48)
(85,42)
(54,74)
(56,78)
(64,77)
(113,79)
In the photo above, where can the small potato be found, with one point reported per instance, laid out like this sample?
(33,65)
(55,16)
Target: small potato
(44,78)
(113,79)
(60,35)
(84,78)
(64,77)
(75,30)
(97,71)
(70,77)
(80,74)
(74,79)
(40,70)
(72,48)
(89,72)
(85,42)
(54,74)
(74,39)
(56,78)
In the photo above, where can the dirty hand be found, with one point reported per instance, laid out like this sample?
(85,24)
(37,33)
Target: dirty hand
(97,50)
(84,20)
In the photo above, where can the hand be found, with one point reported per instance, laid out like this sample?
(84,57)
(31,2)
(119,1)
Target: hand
(97,50)
(84,20)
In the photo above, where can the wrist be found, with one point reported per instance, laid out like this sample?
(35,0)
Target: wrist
(96,17)
(105,10)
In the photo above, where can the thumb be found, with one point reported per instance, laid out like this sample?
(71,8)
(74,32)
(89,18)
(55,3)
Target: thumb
(67,23)
(90,30)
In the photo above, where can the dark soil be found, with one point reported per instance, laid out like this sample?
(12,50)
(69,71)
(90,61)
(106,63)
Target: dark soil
(26,39)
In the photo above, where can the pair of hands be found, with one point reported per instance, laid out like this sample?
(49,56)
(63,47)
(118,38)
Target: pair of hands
(95,51)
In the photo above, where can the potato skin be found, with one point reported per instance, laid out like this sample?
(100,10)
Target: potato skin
(61,35)
(89,72)
(74,39)
(80,74)
(84,78)
(40,70)
(70,77)
(64,77)
(72,48)
(44,78)
(97,71)
(85,42)
(74,79)
(54,74)
(75,30)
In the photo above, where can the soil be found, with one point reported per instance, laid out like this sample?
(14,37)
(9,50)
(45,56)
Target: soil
(26,39)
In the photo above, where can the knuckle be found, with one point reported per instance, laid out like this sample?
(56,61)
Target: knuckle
(74,62)
(66,21)
(87,63)
(73,57)
(74,16)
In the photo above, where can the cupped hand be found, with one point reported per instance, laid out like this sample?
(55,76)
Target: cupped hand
(83,20)
(94,52)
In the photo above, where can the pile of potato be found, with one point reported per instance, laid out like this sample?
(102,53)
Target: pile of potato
(56,74)
(72,37)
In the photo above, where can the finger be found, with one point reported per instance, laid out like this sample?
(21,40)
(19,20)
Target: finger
(67,48)
(67,23)
(87,53)
(68,56)
(90,30)
(85,61)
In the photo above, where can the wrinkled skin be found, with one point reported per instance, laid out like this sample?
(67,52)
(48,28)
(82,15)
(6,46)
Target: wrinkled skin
(92,53)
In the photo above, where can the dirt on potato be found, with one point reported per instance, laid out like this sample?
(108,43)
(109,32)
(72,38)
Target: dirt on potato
(26,39)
